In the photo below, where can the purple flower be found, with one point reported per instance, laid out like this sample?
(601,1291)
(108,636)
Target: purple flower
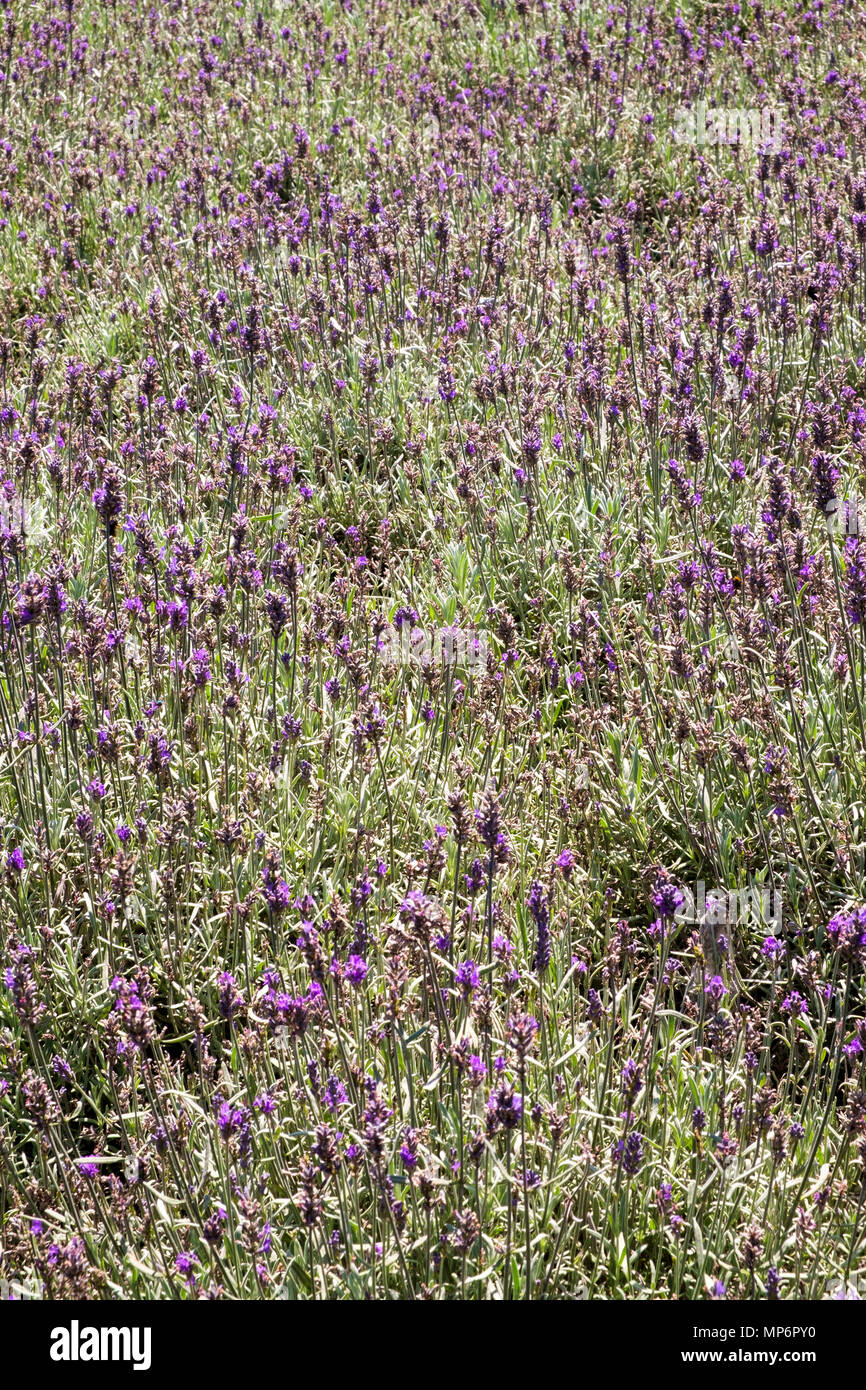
(275,890)
(334,1094)
(356,970)
(177,613)
(504,1108)
(201,673)
(466,978)
(667,899)
(185,1262)
(230,999)
(539,908)
(15,861)
(21,982)
(477,1070)
(795,1005)
(628,1153)
(772,948)
(631,1080)
(566,863)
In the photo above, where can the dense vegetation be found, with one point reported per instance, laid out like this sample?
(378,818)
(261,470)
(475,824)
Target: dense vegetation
(429,465)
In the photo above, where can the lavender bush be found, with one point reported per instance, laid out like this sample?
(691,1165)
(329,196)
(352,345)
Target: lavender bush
(430,549)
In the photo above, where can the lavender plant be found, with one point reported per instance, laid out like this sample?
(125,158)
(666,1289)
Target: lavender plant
(345,967)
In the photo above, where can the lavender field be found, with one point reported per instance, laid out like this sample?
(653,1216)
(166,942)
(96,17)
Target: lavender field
(432,654)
